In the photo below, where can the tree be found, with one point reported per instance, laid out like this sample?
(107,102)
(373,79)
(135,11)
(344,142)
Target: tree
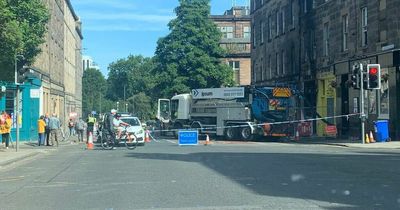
(23,25)
(94,87)
(140,105)
(190,56)
(132,73)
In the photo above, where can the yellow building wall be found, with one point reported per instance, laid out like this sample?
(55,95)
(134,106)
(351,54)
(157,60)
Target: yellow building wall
(326,95)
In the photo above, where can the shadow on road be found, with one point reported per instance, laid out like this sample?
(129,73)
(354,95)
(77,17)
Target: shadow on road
(359,180)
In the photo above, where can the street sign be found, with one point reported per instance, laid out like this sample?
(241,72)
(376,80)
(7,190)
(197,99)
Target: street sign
(188,137)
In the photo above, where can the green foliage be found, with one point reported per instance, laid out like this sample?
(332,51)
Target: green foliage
(133,72)
(189,57)
(94,87)
(140,105)
(23,25)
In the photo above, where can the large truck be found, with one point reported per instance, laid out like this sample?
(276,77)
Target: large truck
(233,113)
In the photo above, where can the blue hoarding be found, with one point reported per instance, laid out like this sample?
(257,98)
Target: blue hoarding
(188,137)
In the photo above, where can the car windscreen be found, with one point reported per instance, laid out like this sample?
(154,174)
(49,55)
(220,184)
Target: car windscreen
(131,121)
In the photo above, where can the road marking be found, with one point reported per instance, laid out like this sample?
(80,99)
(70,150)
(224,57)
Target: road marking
(171,141)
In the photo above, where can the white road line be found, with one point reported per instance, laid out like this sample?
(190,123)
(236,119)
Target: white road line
(171,141)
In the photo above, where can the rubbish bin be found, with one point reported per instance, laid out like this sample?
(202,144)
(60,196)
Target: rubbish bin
(382,130)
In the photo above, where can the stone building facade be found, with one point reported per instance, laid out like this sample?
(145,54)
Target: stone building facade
(332,35)
(235,27)
(59,64)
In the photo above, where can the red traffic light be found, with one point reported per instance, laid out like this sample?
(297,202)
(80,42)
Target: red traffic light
(373,71)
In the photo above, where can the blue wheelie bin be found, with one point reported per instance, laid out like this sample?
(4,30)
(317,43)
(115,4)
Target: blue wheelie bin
(382,130)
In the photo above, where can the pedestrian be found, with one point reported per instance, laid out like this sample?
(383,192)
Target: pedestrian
(90,125)
(71,126)
(47,129)
(41,130)
(2,122)
(54,125)
(5,128)
(80,127)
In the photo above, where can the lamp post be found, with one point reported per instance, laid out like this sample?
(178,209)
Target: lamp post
(126,107)
(16,111)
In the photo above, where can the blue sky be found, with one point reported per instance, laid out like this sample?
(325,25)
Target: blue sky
(114,29)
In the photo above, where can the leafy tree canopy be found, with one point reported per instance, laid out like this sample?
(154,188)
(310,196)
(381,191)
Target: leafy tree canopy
(23,25)
(94,87)
(133,72)
(189,57)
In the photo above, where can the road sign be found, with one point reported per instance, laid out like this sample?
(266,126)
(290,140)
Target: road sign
(188,137)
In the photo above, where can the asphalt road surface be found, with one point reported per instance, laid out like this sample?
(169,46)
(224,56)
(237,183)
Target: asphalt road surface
(224,175)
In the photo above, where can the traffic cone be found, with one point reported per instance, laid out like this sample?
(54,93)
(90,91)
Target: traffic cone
(90,145)
(371,137)
(366,138)
(147,136)
(207,140)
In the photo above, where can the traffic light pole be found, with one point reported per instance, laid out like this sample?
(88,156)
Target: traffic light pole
(17,119)
(362,117)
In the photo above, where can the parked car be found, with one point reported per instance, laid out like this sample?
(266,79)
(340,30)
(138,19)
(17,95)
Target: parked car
(136,127)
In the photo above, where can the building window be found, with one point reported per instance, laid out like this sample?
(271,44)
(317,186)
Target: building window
(277,23)
(227,32)
(313,45)
(246,32)
(269,28)
(305,6)
(283,20)
(326,39)
(254,36)
(253,74)
(278,60)
(292,13)
(262,31)
(292,61)
(364,25)
(235,65)
(269,67)
(283,62)
(262,70)
(345,28)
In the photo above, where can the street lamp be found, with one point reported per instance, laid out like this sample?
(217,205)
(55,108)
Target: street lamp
(16,111)
(126,107)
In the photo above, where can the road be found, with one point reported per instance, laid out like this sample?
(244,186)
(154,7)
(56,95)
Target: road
(162,175)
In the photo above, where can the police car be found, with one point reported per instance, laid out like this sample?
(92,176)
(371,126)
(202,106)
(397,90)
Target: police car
(136,127)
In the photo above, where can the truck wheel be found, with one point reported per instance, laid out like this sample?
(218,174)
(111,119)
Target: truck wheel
(230,133)
(245,133)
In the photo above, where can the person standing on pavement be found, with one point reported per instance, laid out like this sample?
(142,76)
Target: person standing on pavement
(80,127)
(71,126)
(41,130)
(91,121)
(47,129)
(5,128)
(54,125)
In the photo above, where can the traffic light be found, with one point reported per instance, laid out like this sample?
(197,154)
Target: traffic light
(373,76)
(22,71)
(355,76)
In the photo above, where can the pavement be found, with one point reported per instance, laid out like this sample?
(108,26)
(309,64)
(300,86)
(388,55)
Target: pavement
(26,150)
(347,143)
